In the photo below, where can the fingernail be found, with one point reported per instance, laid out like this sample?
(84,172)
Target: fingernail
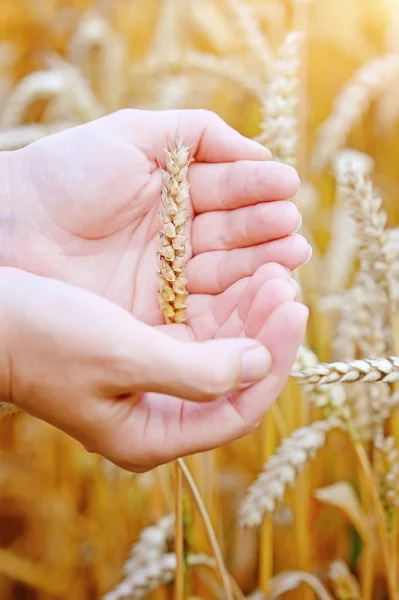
(255,364)
(299,224)
(310,254)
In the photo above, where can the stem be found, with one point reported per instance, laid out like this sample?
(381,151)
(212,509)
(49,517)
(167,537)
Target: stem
(224,574)
(380,517)
(266,532)
(179,535)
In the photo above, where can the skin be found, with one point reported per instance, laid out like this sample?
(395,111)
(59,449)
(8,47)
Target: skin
(85,346)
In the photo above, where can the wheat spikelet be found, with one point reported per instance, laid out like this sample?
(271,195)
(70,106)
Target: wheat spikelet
(351,103)
(281,470)
(344,584)
(366,370)
(279,127)
(304,359)
(172,291)
(150,564)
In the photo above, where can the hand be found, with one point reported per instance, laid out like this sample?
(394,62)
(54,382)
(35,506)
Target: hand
(85,204)
(88,367)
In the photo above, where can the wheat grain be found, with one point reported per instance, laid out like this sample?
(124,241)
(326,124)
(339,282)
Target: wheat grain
(351,103)
(281,470)
(366,370)
(172,291)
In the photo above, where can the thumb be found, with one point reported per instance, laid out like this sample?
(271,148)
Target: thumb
(199,371)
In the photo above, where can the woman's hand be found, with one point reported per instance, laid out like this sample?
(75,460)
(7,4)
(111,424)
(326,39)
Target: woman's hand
(84,205)
(117,385)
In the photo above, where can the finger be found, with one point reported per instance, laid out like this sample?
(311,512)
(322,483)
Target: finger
(209,137)
(155,362)
(225,230)
(214,272)
(264,273)
(207,313)
(233,185)
(207,426)
(269,297)
(282,335)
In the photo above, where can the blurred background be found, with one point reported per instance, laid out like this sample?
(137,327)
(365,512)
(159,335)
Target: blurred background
(317,81)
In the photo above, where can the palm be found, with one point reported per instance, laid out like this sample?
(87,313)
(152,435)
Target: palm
(97,198)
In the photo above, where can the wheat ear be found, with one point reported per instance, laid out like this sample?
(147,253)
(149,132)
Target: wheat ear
(367,370)
(172,291)
(279,127)
(152,575)
(281,470)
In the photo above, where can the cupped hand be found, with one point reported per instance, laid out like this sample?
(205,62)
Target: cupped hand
(84,207)
(125,389)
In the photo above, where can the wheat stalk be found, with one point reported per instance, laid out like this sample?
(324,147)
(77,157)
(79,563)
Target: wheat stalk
(281,470)
(172,291)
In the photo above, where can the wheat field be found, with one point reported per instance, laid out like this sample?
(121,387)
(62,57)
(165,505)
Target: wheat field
(308,505)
